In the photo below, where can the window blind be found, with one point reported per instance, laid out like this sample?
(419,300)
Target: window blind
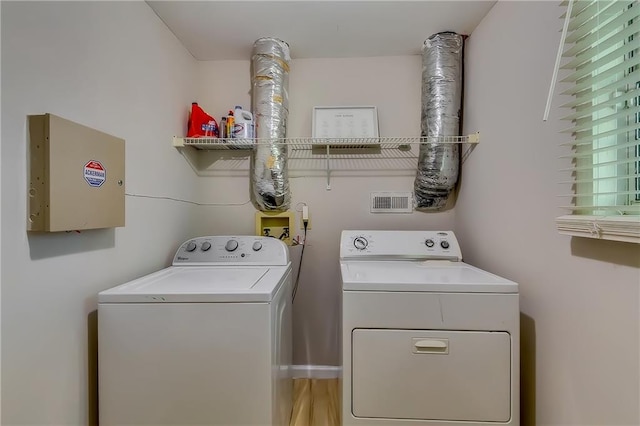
(601,71)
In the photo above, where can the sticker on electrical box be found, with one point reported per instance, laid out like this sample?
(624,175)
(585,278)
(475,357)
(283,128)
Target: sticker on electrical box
(94,173)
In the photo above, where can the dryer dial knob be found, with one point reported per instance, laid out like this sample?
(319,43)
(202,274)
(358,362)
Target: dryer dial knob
(257,246)
(206,246)
(360,243)
(444,244)
(231,245)
(191,246)
(429,243)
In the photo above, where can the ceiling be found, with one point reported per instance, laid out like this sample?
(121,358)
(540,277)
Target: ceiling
(226,30)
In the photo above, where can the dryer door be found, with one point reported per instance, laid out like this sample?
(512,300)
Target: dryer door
(431,375)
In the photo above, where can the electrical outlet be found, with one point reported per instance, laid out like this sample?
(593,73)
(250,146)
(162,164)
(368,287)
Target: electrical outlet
(304,217)
(308,222)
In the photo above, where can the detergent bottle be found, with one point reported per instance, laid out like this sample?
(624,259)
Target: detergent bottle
(243,124)
(201,124)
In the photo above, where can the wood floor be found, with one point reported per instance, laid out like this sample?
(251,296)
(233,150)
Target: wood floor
(315,402)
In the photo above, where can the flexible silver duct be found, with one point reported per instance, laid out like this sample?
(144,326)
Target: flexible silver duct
(270,106)
(438,164)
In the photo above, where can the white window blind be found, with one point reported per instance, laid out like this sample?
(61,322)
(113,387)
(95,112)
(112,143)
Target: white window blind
(601,71)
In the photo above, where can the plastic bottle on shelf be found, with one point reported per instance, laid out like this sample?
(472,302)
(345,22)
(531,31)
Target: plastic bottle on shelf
(201,124)
(243,124)
(223,127)
(230,122)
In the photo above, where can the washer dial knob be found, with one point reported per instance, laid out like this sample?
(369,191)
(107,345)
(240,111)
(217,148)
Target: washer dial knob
(360,243)
(257,246)
(206,246)
(231,245)
(444,244)
(429,243)
(191,246)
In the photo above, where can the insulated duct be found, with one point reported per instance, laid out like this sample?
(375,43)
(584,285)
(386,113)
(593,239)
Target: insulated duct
(270,106)
(438,163)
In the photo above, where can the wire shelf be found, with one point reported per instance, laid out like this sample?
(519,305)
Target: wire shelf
(338,144)
(209,156)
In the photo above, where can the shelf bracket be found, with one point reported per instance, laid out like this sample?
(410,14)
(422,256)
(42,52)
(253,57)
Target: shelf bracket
(328,169)
(467,152)
(472,140)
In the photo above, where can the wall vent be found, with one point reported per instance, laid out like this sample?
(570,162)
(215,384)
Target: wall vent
(391,202)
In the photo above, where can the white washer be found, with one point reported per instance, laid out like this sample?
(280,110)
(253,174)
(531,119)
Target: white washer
(427,339)
(205,341)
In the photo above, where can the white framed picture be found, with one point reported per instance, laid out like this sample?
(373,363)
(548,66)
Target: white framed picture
(345,122)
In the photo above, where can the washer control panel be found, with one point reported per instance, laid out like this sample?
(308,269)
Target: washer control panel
(391,245)
(232,250)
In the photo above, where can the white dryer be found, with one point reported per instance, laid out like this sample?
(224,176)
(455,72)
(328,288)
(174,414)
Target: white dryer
(427,339)
(205,341)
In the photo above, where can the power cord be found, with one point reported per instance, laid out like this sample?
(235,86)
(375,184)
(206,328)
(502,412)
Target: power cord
(157,197)
(305,222)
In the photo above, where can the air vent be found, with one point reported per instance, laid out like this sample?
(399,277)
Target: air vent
(391,202)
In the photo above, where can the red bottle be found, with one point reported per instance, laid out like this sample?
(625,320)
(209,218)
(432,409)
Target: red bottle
(201,124)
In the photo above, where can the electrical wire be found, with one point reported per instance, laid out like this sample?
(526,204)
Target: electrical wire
(186,201)
(304,244)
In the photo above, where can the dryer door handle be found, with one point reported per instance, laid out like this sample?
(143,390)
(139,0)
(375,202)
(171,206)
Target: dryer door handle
(430,346)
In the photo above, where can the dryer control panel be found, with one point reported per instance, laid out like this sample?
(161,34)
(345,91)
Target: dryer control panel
(394,245)
(232,250)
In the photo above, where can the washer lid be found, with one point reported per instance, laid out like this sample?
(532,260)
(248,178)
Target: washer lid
(200,284)
(429,276)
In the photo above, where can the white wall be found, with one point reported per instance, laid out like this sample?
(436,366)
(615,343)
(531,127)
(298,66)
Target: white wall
(113,66)
(579,298)
(0,229)
(393,85)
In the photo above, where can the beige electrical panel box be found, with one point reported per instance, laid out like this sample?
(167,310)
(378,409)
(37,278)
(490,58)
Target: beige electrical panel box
(76,176)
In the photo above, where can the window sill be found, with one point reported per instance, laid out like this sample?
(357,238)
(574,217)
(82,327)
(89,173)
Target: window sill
(614,228)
